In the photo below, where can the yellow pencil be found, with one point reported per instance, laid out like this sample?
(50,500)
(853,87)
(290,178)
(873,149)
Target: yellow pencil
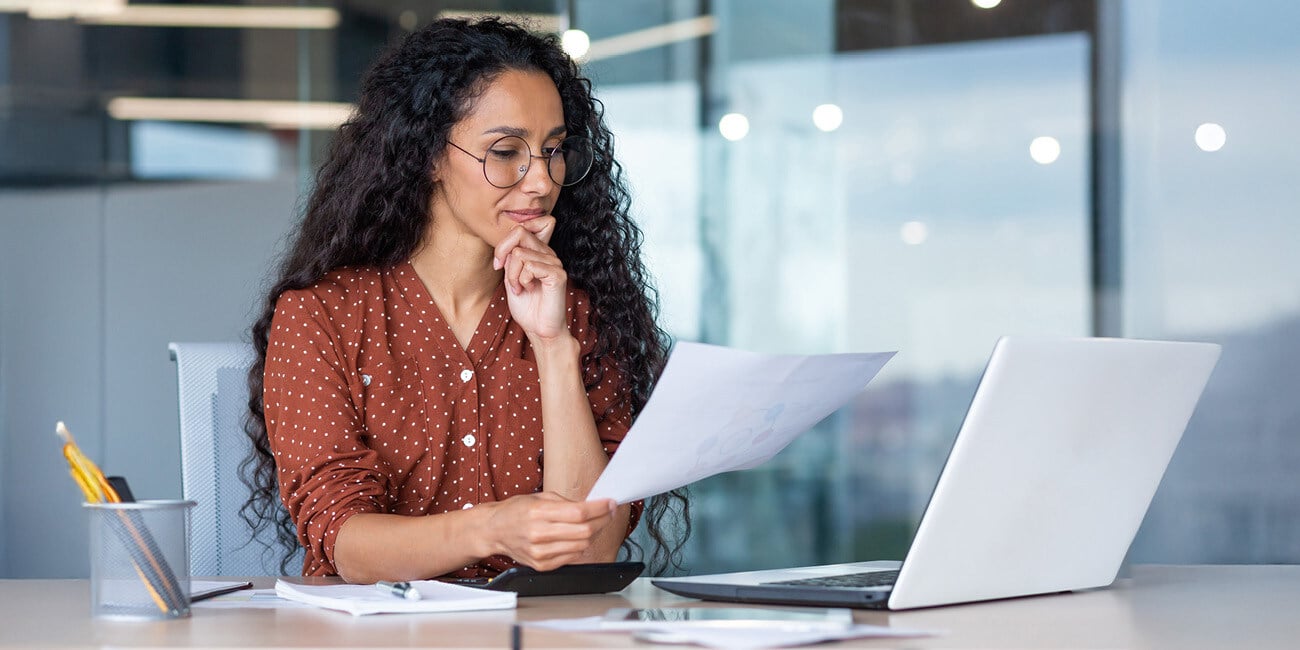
(98,490)
(89,472)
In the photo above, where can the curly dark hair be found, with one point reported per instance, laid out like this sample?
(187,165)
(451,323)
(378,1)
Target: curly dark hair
(370,206)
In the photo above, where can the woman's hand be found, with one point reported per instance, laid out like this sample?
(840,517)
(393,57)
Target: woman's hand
(546,531)
(536,283)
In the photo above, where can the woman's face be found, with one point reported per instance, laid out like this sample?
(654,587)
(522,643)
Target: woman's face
(517,103)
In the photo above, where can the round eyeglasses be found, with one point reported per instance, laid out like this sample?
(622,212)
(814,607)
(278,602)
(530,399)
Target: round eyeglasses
(507,160)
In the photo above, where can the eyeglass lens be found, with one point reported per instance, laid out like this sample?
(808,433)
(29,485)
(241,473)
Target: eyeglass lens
(508,159)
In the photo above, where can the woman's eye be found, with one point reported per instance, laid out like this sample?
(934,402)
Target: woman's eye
(503,154)
(552,147)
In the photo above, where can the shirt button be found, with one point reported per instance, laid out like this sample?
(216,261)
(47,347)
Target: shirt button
(365,380)
(468,440)
(467,506)
(466,374)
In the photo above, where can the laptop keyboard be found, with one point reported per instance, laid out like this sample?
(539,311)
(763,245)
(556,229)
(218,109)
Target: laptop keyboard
(848,581)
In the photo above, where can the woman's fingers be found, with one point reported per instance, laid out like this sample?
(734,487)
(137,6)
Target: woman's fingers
(542,228)
(553,556)
(577,517)
(523,266)
(584,511)
(525,256)
(533,234)
(559,545)
(545,531)
(503,247)
(547,273)
(555,533)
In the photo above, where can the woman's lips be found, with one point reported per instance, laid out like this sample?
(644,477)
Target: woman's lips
(520,216)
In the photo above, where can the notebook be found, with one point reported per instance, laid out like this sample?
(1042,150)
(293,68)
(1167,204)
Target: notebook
(360,600)
(1051,472)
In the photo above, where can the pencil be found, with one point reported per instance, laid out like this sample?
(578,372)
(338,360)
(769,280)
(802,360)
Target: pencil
(146,558)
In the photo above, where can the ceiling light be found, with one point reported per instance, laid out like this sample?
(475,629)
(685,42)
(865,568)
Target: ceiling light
(1044,150)
(644,39)
(118,12)
(232,16)
(575,43)
(545,23)
(62,9)
(1211,137)
(733,126)
(273,114)
(914,233)
(827,117)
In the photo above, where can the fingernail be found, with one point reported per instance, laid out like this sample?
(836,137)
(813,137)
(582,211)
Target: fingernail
(496,264)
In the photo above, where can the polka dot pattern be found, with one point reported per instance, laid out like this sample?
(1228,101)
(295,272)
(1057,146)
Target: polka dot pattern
(372,406)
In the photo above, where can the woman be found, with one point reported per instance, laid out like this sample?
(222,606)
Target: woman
(462,330)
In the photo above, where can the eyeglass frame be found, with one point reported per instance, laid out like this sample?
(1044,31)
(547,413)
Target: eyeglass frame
(483,161)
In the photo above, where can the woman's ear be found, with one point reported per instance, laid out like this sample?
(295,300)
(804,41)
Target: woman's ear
(437,164)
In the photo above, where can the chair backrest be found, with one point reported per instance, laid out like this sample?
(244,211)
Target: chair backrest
(213,392)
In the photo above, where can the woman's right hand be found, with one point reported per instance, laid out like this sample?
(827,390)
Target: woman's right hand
(545,530)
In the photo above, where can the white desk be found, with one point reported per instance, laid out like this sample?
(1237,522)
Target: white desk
(1159,607)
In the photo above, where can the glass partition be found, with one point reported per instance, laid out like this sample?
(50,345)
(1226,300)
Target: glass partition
(1209,254)
(887,199)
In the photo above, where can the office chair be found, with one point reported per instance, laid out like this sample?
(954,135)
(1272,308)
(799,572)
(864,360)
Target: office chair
(213,390)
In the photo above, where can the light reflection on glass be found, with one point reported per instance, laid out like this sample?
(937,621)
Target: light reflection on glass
(733,126)
(1211,137)
(914,233)
(1044,150)
(828,117)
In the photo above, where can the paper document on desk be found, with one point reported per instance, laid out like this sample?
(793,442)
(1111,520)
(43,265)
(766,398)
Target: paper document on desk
(752,638)
(360,600)
(732,636)
(718,409)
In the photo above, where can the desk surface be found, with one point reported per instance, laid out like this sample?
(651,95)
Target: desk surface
(1183,607)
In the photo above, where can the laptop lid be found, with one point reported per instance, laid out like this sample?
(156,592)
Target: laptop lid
(1050,475)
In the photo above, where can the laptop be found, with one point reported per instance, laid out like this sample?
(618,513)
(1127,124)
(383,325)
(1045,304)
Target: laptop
(1050,474)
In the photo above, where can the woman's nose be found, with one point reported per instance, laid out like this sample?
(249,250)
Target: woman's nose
(537,180)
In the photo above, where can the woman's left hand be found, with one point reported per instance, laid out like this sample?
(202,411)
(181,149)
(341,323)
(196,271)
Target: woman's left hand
(536,284)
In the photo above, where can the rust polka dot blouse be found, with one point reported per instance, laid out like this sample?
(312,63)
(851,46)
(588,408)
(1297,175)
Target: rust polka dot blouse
(372,406)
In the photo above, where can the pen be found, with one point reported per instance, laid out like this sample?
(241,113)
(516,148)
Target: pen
(399,589)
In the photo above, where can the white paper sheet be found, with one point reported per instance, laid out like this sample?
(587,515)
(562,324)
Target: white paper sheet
(757,638)
(731,636)
(718,409)
(362,600)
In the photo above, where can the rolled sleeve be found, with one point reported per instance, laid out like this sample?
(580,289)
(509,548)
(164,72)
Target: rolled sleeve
(325,469)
